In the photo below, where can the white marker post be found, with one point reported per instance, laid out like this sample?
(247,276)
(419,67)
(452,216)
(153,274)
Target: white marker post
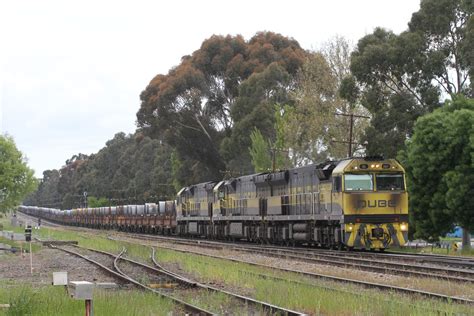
(31,260)
(28,239)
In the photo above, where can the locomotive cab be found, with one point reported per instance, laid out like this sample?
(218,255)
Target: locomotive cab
(374,202)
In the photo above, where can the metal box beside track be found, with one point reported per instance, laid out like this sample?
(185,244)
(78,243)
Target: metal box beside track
(59,278)
(81,290)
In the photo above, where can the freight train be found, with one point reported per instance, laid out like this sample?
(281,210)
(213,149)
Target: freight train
(356,203)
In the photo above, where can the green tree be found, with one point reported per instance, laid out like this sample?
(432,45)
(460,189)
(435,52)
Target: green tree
(393,97)
(260,152)
(441,30)
(92,201)
(440,170)
(255,108)
(313,111)
(337,53)
(176,168)
(267,154)
(17,179)
(406,75)
(313,129)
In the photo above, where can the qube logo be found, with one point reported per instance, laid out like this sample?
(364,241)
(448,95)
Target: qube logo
(375,203)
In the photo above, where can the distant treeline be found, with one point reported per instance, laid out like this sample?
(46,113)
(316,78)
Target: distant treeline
(129,169)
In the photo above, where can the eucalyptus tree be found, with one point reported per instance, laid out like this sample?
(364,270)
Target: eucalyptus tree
(402,77)
(205,107)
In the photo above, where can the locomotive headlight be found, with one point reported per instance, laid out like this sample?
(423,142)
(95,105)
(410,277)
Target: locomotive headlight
(349,227)
(403,227)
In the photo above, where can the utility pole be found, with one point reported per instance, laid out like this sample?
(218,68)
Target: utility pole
(273,152)
(85,199)
(352,116)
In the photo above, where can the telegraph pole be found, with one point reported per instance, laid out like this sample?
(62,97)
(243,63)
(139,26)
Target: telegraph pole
(352,116)
(85,199)
(273,152)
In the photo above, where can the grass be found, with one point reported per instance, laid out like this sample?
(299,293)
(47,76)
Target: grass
(436,251)
(215,302)
(20,245)
(312,297)
(439,251)
(5,222)
(53,300)
(295,292)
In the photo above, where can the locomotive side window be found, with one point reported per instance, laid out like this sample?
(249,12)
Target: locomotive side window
(336,184)
(358,182)
(389,182)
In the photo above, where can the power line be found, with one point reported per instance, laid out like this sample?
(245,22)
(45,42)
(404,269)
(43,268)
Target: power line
(351,127)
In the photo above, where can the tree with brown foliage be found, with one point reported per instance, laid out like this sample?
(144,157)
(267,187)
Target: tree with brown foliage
(202,107)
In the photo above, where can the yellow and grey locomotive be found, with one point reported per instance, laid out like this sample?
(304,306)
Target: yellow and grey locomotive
(357,203)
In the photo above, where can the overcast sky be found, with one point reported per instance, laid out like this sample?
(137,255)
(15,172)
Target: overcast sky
(71,72)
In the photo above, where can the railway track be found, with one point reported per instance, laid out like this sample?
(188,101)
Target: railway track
(267,308)
(173,286)
(446,260)
(108,267)
(432,266)
(385,264)
(33,219)
(365,284)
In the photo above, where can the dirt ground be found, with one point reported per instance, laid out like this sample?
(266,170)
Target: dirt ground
(16,268)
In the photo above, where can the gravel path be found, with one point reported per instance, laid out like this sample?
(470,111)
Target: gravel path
(16,268)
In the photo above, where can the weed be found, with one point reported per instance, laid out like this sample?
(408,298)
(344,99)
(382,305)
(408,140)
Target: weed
(22,303)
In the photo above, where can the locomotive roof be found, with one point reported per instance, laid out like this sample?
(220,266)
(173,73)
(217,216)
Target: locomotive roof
(365,164)
(249,177)
(323,170)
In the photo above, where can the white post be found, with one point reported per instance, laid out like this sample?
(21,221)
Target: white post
(31,260)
